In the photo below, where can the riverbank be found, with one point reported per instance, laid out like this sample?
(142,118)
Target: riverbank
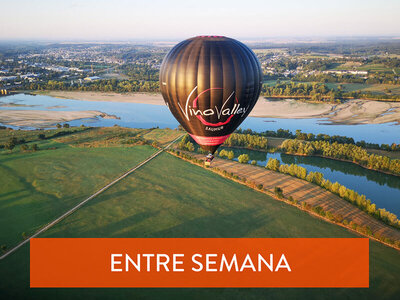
(305,196)
(340,159)
(144,98)
(45,118)
(351,112)
(277,145)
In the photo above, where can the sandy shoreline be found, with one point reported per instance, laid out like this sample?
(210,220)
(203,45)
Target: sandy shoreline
(365,112)
(44,118)
(350,112)
(289,108)
(146,98)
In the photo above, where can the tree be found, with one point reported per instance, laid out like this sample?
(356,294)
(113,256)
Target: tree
(231,155)
(273,164)
(35,147)
(41,136)
(223,153)
(190,146)
(278,192)
(372,209)
(9,146)
(339,147)
(65,125)
(58,125)
(243,158)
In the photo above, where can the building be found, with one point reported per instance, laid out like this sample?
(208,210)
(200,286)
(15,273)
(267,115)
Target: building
(6,78)
(350,72)
(92,78)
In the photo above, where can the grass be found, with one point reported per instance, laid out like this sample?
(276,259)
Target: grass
(169,197)
(364,87)
(101,137)
(364,67)
(38,186)
(391,154)
(32,135)
(274,82)
(383,88)
(163,136)
(350,87)
(118,136)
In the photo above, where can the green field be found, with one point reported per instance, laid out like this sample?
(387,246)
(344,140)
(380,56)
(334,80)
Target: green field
(169,197)
(39,186)
(274,82)
(364,87)
(351,87)
(163,136)
(370,67)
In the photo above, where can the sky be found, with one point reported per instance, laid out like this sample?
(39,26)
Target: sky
(172,19)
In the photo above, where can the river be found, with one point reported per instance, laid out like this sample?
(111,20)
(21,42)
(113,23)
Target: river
(382,189)
(146,116)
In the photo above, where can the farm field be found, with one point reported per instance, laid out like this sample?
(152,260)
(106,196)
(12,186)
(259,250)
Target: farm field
(303,191)
(274,82)
(364,87)
(373,88)
(38,186)
(370,67)
(351,87)
(169,197)
(162,136)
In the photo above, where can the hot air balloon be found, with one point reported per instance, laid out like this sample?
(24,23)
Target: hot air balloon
(210,84)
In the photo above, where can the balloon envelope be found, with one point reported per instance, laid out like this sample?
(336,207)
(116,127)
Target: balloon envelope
(210,84)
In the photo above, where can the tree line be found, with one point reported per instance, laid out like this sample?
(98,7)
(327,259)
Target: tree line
(381,78)
(235,140)
(319,92)
(137,71)
(334,217)
(13,141)
(109,85)
(349,195)
(285,133)
(315,91)
(325,148)
(348,152)
(247,141)
(186,143)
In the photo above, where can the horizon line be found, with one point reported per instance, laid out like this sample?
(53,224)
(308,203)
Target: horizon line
(299,38)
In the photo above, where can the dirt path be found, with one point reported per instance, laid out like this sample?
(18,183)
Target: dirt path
(304,191)
(76,207)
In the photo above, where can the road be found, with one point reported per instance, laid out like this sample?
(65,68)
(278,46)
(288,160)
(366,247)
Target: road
(76,207)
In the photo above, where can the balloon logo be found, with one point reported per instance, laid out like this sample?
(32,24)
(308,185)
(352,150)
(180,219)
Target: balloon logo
(210,84)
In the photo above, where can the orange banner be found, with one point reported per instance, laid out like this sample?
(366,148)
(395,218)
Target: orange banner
(199,262)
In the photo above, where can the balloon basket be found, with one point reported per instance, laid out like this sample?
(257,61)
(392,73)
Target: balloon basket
(209,159)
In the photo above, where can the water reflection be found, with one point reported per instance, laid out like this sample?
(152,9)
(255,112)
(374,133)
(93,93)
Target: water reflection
(382,189)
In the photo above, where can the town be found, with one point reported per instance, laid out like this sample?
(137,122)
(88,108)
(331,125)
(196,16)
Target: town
(325,71)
